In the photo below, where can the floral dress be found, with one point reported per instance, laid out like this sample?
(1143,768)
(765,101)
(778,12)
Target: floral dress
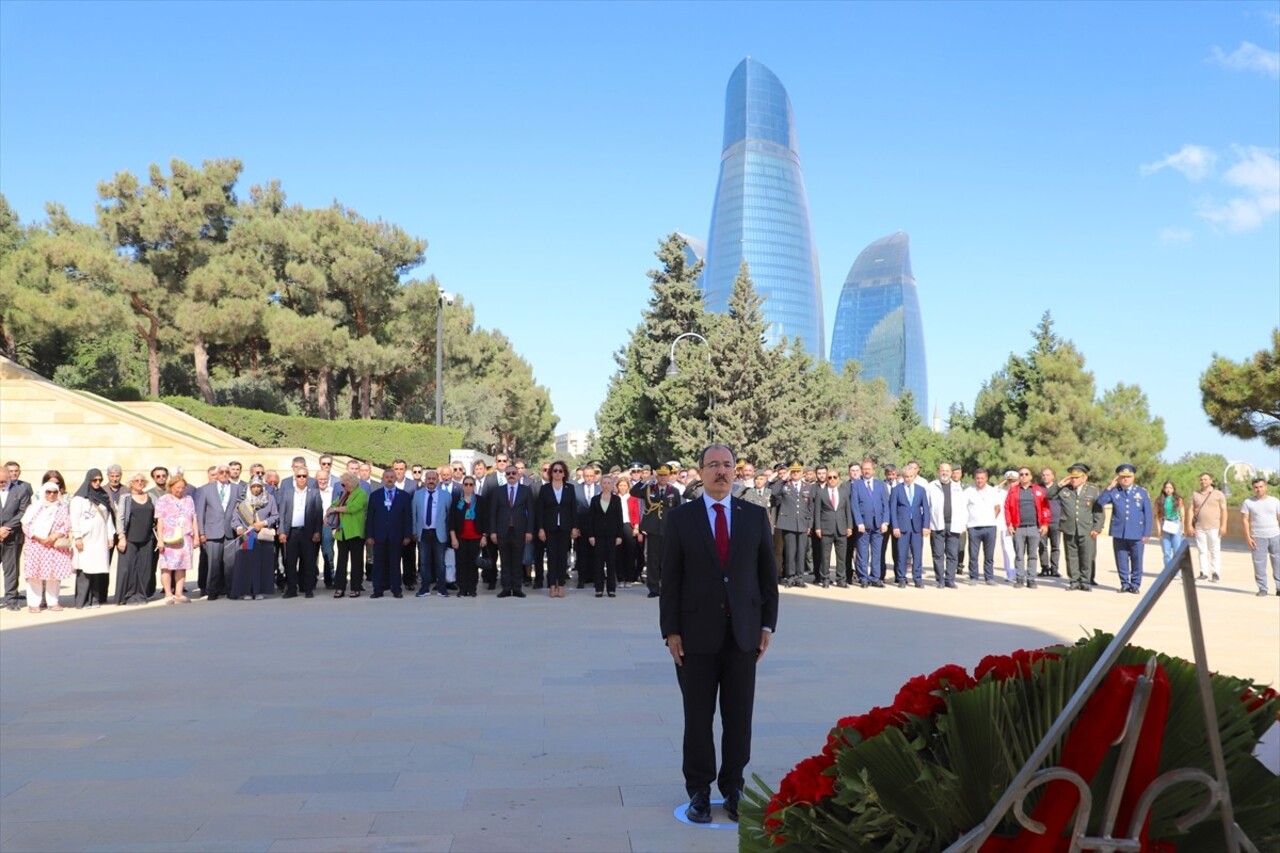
(40,562)
(176,517)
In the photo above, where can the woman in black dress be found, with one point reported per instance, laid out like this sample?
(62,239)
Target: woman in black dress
(554,514)
(137,543)
(255,524)
(604,534)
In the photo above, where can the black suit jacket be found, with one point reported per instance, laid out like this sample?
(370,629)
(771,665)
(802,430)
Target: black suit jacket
(312,513)
(14,507)
(503,514)
(602,523)
(546,511)
(695,593)
(831,520)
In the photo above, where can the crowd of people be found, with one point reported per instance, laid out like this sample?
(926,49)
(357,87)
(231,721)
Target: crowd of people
(449,531)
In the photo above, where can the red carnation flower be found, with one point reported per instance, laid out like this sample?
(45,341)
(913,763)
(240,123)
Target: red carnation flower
(1002,667)
(1254,701)
(952,676)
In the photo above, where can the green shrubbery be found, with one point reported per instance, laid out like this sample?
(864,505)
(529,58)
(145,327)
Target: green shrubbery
(378,442)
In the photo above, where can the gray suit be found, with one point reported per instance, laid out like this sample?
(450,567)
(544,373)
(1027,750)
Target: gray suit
(217,526)
(16,502)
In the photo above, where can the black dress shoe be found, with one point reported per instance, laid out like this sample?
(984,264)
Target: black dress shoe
(731,801)
(517,592)
(376,595)
(842,585)
(919,584)
(826,584)
(491,585)
(308,594)
(506,593)
(1031,584)
(699,810)
(862,584)
(294,594)
(397,595)
(653,595)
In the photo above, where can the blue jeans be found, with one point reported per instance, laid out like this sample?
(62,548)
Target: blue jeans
(1169,543)
(984,539)
(326,553)
(431,562)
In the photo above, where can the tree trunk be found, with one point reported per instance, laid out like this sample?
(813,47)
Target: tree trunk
(150,334)
(306,392)
(10,345)
(201,353)
(322,394)
(378,397)
(365,382)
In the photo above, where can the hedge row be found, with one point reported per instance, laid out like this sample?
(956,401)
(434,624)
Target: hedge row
(378,442)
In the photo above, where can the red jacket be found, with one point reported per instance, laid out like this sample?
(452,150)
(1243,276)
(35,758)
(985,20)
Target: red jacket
(1044,515)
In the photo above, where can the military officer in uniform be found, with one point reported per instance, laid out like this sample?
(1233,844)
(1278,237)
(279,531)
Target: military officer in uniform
(1079,522)
(795,517)
(657,498)
(1131,516)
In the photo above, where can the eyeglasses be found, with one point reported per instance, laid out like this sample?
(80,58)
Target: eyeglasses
(458,470)
(512,475)
(95,480)
(300,476)
(468,484)
(326,464)
(501,459)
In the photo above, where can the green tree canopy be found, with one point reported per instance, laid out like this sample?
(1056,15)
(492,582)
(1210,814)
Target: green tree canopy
(1243,399)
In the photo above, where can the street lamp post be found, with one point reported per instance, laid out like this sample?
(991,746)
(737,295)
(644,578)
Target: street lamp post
(1226,490)
(672,370)
(445,298)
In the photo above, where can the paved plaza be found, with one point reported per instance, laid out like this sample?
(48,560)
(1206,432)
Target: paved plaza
(473,724)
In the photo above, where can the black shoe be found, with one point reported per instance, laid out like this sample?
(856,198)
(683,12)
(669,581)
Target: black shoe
(653,595)
(443,593)
(1085,588)
(801,585)
(211,598)
(842,585)
(13,605)
(951,584)
(491,585)
(517,592)
(506,593)
(1031,584)
(826,584)
(599,595)
(376,595)
(902,584)
(989,583)
(537,586)
(919,584)
(731,801)
(878,584)
(410,586)
(1019,584)
(1133,589)
(613,595)
(289,593)
(699,810)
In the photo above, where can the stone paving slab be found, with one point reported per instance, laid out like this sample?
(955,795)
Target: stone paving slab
(488,725)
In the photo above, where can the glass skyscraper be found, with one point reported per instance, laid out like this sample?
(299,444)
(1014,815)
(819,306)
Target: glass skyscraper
(878,320)
(761,211)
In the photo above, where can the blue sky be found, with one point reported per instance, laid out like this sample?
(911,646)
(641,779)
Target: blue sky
(1115,163)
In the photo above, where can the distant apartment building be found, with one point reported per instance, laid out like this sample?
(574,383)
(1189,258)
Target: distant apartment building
(574,442)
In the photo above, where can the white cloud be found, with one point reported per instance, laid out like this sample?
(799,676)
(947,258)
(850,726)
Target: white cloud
(1194,161)
(1174,235)
(1249,57)
(1256,174)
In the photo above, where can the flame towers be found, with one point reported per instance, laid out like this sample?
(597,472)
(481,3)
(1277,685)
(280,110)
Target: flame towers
(761,211)
(878,320)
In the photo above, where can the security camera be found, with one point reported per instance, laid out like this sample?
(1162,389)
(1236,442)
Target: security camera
(446,297)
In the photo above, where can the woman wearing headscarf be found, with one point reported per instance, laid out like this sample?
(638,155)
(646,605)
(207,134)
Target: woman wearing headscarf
(46,557)
(136,542)
(256,520)
(93,532)
(347,517)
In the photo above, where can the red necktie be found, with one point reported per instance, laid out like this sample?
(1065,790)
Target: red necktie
(722,535)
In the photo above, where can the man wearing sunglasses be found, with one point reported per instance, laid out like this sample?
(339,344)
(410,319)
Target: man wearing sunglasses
(510,528)
(301,516)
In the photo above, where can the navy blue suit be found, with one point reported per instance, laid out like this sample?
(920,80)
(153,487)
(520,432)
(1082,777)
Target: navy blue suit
(870,509)
(388,528)
(911,517)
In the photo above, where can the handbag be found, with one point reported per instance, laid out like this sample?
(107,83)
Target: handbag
(174,538)
(1171,526)
(483,561)
(62,543)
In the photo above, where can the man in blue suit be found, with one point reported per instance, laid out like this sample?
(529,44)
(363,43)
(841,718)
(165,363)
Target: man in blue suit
(1131,524)
(430,528)
(869,500)
(910,504)
(388,529)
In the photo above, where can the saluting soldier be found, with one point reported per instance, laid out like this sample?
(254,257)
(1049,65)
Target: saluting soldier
(795,518)
(657,498)
(1131,516)
(1080,523)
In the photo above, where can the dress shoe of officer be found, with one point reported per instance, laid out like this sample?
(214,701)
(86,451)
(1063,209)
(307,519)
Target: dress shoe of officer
(731,801)
(699,810)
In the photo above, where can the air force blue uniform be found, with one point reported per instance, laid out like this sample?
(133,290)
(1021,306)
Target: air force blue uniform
(1131,516)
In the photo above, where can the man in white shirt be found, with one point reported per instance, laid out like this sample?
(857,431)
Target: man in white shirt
(1262,533)
(948,521)
(982,507)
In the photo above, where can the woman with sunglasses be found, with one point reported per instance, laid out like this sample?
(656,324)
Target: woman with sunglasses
(93,530)
(46,557)
(465,536)
(555,513)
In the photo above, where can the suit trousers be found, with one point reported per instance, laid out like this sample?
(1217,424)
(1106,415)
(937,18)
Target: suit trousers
(910,550)
(490,574)
(729,674)
(465,565)
(539,562)
(202,571)
(408,564)
(946,555)
(350,553)
(840,543)
(870,548)
(1050,552)
(793,547)
(299,561)
(584,561)
(1129,561)
(220,555)
(653,561)
(10,553)
(386,564)
(982,539)
(891,547)
(557,550)
(627,566)
(511,549)
(606,568)
(1081,551)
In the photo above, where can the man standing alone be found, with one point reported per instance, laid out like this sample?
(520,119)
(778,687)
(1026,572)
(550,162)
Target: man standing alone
(718,611)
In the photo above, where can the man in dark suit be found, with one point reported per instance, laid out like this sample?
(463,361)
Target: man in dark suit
(795,518)
(216,504)
(388,529)
(869,500)
(718,611)
(832,525)
(301,515)
(584,552)
(910,506)
(409,554)
(510,528)
(15,497)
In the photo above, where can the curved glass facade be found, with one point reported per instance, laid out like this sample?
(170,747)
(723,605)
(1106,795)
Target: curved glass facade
(878,320)
(761,211)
